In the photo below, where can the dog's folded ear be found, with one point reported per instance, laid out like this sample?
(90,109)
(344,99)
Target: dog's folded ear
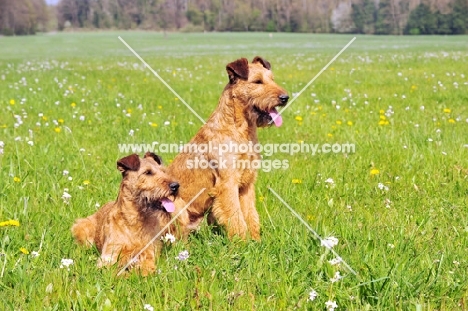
(262,61)
(155,157)
(129,163)
(238,69)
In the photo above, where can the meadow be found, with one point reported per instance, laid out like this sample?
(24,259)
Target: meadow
(396,206)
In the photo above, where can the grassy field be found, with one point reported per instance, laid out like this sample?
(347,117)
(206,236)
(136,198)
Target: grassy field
(397,205)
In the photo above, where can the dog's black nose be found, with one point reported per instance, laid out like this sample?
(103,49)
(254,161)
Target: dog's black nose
(174,186)
(284,98)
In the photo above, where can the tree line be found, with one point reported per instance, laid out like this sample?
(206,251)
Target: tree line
(317,16)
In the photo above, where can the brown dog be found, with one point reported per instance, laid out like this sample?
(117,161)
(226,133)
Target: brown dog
(121,229)
(248,101)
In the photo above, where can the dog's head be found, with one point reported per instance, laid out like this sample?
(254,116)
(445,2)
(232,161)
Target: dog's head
(254,86)
(146,182)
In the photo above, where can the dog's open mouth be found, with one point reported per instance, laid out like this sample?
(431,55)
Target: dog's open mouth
(271,115)
(163,204)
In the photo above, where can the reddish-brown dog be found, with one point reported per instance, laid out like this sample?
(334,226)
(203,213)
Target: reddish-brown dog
(121,229)
(248,101)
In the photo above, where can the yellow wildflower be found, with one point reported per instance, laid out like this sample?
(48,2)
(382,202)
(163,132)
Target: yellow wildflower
(61,121)
(57,130)
(296,181)
(350,123)
(330,135)
(298,118)
(12,102)
(338,122)
(451,121)
(374,171)
(381,111)
(44,118)
(159,107)
(73,105)
(261,198)
(447,110)
(86,182)
(16,179)
(153,124)
(11,222)
(24,250)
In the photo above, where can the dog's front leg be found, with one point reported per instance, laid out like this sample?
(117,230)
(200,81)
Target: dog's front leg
(109,254)
(247,204)
(227,210)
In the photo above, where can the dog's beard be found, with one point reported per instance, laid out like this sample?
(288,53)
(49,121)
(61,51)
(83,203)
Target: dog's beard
(265,118)
(150,202)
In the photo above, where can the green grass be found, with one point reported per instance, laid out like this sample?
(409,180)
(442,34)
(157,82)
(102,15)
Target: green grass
(409,252)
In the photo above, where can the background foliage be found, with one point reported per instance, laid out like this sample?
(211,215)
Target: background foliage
(318,16)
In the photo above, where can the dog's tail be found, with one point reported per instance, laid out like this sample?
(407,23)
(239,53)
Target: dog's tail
(84,231)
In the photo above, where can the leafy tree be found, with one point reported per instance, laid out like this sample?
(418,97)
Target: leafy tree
(363,16)
(195,16)
(22,17)
(421,21)
(460,17)
(383,20)
(444,23)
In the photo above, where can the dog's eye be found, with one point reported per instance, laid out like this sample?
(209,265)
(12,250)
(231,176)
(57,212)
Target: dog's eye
(148,172)
(258,81)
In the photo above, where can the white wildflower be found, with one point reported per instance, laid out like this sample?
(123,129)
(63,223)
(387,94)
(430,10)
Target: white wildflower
(329,242)
(168,238)
(66,197)
(335,261)
(66,263)
(312,295)
(331,305)
(336,277)
(382,186)
(183,255)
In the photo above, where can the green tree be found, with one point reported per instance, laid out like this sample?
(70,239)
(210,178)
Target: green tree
(363,16)
(194,15)
(421,21)
(444,23)
(383,18)
(22,17)
(460,17)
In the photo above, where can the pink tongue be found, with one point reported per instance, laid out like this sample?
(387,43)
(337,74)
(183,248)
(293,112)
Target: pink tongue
(168,205)
(276,117)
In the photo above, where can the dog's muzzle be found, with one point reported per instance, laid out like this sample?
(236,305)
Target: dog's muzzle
(283,98)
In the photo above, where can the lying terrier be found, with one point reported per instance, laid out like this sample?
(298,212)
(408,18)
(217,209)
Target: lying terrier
(121,229)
